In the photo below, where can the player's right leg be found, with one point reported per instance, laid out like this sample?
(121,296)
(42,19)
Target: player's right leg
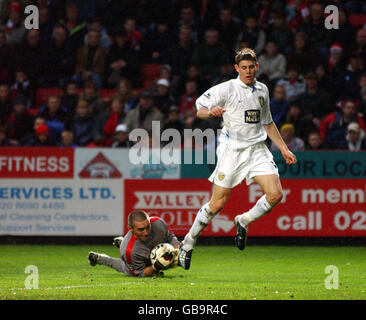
(101,258)
(203,218)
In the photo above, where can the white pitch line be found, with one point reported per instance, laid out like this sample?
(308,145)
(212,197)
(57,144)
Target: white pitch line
(81,286)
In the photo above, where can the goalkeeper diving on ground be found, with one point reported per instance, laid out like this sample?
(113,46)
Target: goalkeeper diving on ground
(147,248)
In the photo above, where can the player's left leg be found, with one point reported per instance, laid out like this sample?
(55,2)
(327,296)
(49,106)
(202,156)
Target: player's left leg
(208,211)
(272,188)
(101,258)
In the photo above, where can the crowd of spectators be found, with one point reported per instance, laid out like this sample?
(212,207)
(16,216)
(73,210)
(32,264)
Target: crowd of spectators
(316,75)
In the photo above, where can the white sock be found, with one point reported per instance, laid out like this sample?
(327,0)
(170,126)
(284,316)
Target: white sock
(203,218)
(260,209)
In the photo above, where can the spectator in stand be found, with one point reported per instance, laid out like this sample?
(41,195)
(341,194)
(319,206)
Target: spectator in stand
(319,37)
(253,35)
(116,115)
(122,62)
(210,55)
(303,124)
(166,72)
(314,103)
(361,86)
(227,72)
(279,105)
(13,26)
(144,113)
(96,25)
(4,142)
(294,143)
(22,85)
(67,139)
(59,60)
(125,93)
(173,120)
(70,97)
(345,35)
(82,124)
(297,11)
(337,60)
(333,128)
(302,55)
(279,32)
(294,83)
(348,83)
(30,56)
(134,37)
(162,97)
(121,139)
(325,82)
(180,54)
(6,106)
(76,28)
(56,115)
(228,29)
(355,138)
(188,99)
(314,142)
(360,47)
(187,17)
(31,139)
(272,63)
(193,73)
(6,59)
(42,137)
(46,24)
(362,105)
(20,122)
(90,61)
(158,41)
(91,95)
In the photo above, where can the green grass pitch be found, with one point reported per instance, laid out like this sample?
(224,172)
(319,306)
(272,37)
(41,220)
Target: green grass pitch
(217,272)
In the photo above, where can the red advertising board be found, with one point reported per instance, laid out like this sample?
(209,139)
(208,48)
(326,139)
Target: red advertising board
(36,162)
(310,207)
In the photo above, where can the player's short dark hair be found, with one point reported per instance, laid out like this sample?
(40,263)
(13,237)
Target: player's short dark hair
(245,54)
(137,215)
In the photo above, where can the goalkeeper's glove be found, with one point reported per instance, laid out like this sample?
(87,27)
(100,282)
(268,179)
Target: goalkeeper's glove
(175,260)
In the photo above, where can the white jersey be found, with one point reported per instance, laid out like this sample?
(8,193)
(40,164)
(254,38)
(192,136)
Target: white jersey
(247,110)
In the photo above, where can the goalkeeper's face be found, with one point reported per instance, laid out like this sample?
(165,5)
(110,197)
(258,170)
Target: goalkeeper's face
(141,230)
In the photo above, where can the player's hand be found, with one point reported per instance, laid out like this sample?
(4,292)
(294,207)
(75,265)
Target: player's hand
(289,156)
(175,260)
(217,111)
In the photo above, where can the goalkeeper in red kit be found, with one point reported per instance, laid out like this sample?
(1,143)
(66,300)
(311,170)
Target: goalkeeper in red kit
(135,247)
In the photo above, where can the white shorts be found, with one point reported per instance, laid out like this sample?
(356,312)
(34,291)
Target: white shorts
(233,166)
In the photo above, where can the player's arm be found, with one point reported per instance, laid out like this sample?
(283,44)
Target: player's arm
(204,113)
(149,271)
(275,136)
(211,102)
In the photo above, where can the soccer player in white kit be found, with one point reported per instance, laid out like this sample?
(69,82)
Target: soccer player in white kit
(241,154)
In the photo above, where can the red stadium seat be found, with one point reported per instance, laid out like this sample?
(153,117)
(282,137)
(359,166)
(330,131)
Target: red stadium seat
(358,20)
(107,94)
(43,94)
(150,71)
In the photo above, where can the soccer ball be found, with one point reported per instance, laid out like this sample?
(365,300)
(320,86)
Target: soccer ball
(163,255)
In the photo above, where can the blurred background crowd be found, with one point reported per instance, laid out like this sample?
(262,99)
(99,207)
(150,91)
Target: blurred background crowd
(97,69)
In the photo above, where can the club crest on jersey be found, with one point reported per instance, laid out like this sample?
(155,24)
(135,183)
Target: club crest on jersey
(221,176)
(252,116)
(261,101)
(207,95)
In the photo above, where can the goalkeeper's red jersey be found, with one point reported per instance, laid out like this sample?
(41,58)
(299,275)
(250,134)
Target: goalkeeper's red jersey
(135,254)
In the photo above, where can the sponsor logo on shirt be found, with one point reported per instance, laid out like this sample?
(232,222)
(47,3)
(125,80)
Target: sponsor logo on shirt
(252,116)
